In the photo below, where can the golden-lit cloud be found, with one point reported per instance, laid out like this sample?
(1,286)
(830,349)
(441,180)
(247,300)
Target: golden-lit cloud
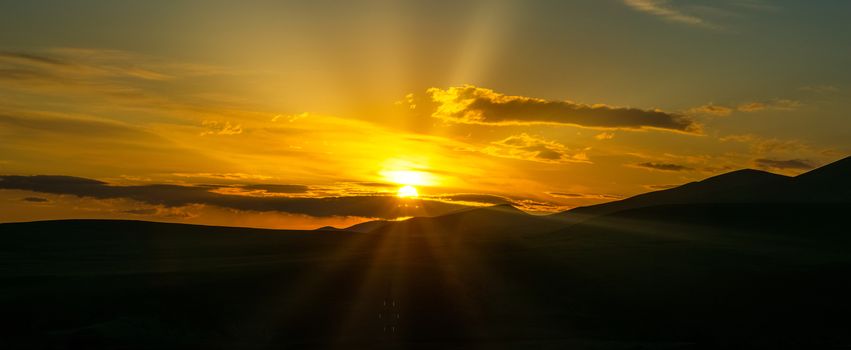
(712,109)
(605,136)
(214,127)
(469,104)
(526,147)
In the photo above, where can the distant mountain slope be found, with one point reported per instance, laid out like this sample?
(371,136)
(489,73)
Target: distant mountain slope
(493,220)
(367,226)
(831,183)
(826,184)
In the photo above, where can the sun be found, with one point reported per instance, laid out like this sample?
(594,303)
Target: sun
(408,192)
(406,177)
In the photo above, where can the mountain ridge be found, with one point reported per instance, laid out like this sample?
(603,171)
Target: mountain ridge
(823,184)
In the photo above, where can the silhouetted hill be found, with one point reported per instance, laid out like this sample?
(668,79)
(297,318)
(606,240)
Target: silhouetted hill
(492,220)
(831,182)
(691,276)
(329,228)
(366,226)
(826,184)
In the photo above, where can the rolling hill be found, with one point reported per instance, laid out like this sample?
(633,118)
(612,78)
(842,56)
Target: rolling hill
(740,260)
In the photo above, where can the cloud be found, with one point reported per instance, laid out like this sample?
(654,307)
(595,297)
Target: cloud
(820,89)
(662,166)
(526,147)
(477,198)
(789,164)
(779,104)
(23,57)
(224,176)
(747,107)
(35,199)
(605,136)
(763,147)
(583,195)
(89,128)
(751,107)
(55,140)
(662,187)
(169,196)
(74,64)
(148,211)
(474,105)
(290,118)
(220,128)
(712,109)
(661,9)
(275,188)
(119,79)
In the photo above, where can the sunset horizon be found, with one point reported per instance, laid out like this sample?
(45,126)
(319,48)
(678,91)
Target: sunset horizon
(307,113)
(604,174)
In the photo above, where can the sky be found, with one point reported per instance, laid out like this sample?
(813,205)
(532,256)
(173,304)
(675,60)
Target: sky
(301,114)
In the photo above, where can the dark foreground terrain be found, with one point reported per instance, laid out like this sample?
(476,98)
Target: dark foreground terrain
(661,277)
(664,271)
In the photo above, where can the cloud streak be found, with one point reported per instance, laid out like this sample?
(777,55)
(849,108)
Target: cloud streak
(374,206)
(469,104)
(787,164)
(662,10)
(662,166)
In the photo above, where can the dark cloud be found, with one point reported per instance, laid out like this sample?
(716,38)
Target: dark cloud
(660,187)
(35,199)
(474,105)
(276,188)
(477,198)
(791,164)
(176,196)
(150,211)
(663,166)
(584,195)
(34,58)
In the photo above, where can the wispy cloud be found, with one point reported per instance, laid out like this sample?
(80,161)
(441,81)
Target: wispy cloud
(605,136)
(784,164)
(584,195)
(662,166)
(667,11)
(778,104)
(214,127)
(716,110)
(712,109)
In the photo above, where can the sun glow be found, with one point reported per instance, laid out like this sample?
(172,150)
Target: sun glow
(408,192)
(407,177)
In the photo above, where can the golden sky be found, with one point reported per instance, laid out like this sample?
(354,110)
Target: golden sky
(288,115)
